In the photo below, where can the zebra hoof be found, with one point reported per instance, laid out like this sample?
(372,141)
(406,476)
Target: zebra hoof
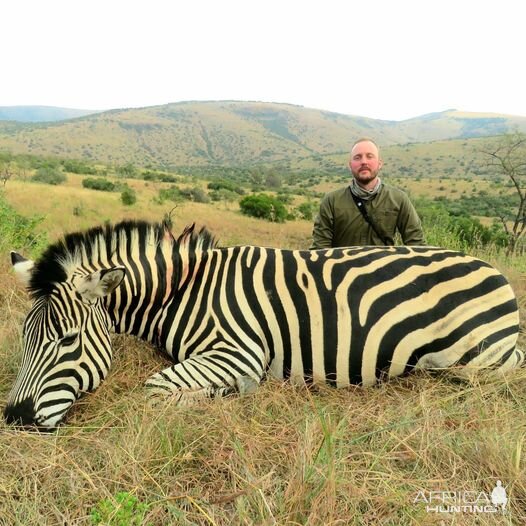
(158,387)
(246,385)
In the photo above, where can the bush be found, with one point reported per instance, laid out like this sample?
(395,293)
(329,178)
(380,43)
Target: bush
(78,167)
(150,175)
(49,175)
(264,206)
(307,210)
(286,199)
(167,178)
(128,196)
(170,194)
(78,210)
(450,228)
(124,509)
(128,170)
(222,184)
(98,184)
(196,194)
(19,232)
(176,194)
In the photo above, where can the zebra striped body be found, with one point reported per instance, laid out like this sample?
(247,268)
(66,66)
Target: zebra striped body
(227,316)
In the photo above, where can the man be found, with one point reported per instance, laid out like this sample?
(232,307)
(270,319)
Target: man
(385,209)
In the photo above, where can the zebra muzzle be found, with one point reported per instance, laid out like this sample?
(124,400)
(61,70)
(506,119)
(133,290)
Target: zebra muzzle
(21,414)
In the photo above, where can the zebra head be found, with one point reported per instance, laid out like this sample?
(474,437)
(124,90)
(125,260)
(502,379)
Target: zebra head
(66,340)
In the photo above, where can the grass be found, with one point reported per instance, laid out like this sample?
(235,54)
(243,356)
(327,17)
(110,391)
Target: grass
(224,220)
(284,455)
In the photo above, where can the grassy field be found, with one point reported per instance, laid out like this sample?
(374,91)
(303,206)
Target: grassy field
(222,219)
(428,187)
(284,455)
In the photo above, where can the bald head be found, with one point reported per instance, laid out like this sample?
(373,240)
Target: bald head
(365,163)
(371,141)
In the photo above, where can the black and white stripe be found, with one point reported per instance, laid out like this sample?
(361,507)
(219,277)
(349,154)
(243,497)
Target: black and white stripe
(227,316)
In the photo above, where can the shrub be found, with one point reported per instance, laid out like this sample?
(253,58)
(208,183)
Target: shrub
(286,199)
(78,210)
(176,194)
(307,210)
(222,184)
(128,196)
(167,178)
(264,206)
(124,509)
(78,167)
(170,194)
(98,184)
(49,175)
(196,194)
(470,231)
(18,231)
(128,170)
(453,229)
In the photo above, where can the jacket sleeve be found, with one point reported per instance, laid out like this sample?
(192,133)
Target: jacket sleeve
(323,231)
(409,224)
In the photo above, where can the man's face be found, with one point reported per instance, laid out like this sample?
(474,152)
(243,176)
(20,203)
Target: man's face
(365,163)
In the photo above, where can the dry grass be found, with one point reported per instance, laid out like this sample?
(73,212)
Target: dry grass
(223,220)
(284,455)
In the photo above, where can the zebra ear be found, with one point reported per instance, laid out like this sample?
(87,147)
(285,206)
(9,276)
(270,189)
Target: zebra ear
(100,283)
(23,267)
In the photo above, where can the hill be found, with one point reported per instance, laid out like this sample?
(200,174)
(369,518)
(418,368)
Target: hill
(40,113)
(232,133)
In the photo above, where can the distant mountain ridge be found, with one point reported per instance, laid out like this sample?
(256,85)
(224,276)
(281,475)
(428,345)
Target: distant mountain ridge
(233,133)
(40,113)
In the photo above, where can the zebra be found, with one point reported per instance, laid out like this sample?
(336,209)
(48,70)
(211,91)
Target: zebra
(228,316)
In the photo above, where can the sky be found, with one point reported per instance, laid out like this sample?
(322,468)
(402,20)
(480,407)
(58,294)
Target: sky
(385,59)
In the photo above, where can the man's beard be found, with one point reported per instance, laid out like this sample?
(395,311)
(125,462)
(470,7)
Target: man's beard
(364,178)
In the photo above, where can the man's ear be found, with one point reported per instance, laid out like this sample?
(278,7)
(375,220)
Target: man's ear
(23,268)
(100,283)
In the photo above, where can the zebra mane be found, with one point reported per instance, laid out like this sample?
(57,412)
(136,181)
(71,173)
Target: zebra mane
(88,246)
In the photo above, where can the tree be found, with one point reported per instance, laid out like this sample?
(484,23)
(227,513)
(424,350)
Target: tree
(23,165)
(6,172)
(272,180)
(264,206)
(507,156)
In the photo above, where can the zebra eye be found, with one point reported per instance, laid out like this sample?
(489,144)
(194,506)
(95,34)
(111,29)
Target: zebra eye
(69,339)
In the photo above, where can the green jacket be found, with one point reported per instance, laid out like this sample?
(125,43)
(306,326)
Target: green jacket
(339,223)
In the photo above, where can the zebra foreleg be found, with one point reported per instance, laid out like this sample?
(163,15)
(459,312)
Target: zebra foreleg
(208,375)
